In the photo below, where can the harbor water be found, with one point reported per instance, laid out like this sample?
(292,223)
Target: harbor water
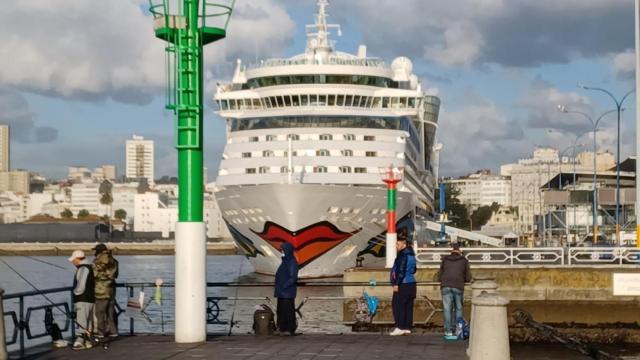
(55,271)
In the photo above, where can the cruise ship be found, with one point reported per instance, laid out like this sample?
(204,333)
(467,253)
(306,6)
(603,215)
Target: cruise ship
(307,139)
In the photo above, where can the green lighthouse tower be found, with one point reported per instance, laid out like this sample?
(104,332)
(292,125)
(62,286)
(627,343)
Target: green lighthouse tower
(186,26)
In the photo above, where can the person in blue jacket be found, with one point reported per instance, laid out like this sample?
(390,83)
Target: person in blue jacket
(285,291)
(403,281)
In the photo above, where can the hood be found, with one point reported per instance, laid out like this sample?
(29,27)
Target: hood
(287,250)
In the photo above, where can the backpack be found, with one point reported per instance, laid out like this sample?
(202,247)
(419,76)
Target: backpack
(462,329)
(263,320)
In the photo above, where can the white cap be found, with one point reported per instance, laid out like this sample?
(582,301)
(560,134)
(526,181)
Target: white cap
(77,254)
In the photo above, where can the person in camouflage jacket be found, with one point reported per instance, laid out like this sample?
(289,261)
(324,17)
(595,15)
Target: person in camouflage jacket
(105,269)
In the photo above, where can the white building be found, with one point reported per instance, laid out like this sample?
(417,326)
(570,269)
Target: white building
(4,147)
(153,214)
(35,203)
(528,175)
(139,159)
(15,181)
(124,196)
(12,208)
(78,173)
(483,189)
(83,174)
(86,197)
(104,172)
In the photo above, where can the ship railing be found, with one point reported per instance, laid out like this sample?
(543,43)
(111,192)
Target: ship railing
(538,256)
(29,316)
(369,62)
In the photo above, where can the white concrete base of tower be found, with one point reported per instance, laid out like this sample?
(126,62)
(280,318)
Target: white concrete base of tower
(391,249)
(490,333)
(191,282)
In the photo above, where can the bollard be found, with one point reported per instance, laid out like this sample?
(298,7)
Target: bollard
(3,345)
(490,338)
(480,285)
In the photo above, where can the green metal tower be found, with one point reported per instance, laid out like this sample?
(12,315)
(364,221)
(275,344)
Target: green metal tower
(186,26)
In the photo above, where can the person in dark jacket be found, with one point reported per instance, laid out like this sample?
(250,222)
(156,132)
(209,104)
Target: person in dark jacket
(403,281)
(454,272)
(105,270)
(285,291)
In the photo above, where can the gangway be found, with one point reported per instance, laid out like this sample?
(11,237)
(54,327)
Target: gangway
(464,234)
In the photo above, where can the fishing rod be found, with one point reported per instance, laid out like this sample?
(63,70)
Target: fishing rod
(53,304)
(46,263)
(235,301)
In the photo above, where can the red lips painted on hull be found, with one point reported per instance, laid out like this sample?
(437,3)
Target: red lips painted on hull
(310,242)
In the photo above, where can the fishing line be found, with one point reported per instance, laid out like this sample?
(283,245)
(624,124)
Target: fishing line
(235,300)
(46,262)
(68,316)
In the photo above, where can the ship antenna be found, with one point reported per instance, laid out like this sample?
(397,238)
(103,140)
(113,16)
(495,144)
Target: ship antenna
(318,33)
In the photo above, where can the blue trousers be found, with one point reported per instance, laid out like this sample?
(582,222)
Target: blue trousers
(402,305)
(451,307)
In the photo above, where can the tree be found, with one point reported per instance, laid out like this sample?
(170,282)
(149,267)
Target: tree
(120,214)
(106,198)
(457,212)
(83,214)
(482,215)
(66,214)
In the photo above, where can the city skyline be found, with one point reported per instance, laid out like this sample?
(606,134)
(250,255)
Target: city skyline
(499,81)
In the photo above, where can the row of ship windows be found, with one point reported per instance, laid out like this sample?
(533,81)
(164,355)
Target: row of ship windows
(282,101)
(316,169)
(321,152)
(320,79)
(324,137)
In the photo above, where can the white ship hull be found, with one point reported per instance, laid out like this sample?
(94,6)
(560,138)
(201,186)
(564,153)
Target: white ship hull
(329,225)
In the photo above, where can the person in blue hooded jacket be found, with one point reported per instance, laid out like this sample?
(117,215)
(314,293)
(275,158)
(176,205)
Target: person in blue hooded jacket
(285,291)
(403,281)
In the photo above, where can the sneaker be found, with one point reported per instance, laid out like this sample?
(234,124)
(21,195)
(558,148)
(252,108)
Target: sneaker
(59,344)
(88,345)
(78,346)
(396,332)
(113,335)
(450,337)
(406,332)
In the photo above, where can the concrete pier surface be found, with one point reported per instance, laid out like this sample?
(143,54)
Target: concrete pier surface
(314,346)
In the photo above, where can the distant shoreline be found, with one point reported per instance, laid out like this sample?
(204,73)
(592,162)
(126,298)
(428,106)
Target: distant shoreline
(161,247)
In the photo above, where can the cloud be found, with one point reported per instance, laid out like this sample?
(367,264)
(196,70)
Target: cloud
(541,100)
(479,136)
(624,64)
(78,49)
(518,33)
(15,112)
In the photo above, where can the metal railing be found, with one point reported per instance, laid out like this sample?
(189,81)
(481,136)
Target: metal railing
(542,256)
(24,327)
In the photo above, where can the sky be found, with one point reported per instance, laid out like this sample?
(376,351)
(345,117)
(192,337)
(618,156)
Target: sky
(78,77)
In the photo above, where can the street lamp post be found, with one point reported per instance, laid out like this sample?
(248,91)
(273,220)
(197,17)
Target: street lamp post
(595,124)
(619,109)
(572,147)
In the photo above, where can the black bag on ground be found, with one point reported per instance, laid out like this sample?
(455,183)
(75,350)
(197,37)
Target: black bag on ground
(263,320)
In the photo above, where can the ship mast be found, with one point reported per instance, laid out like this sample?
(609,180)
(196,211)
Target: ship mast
(318,44)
